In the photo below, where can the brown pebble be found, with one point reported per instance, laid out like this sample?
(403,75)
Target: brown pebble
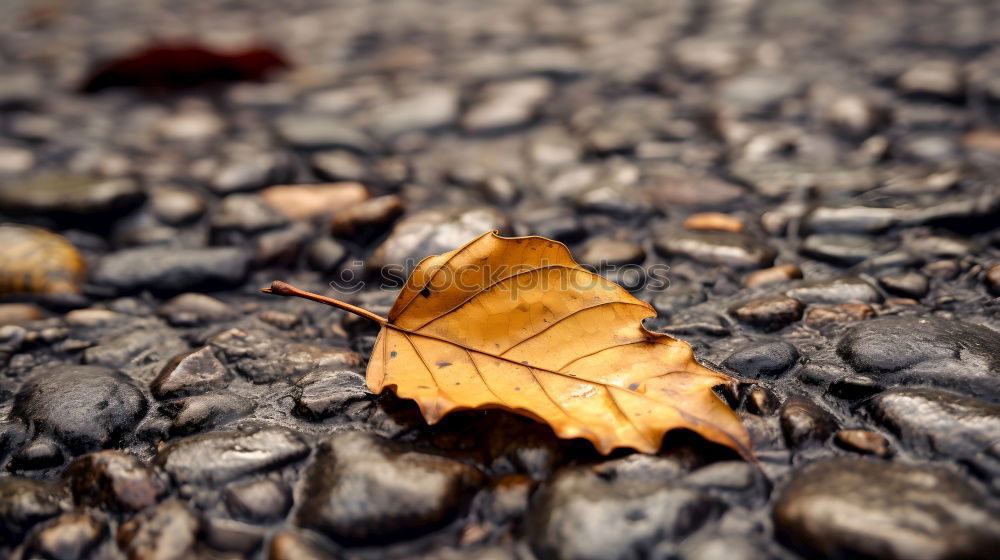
(281,319)
(773,275)
(984,139)
(769,314)
(370,216)
(993,279)
(863,441)
(302,202)
(843,313)
(945,269)
(761,401)
(19,312)
(713,221)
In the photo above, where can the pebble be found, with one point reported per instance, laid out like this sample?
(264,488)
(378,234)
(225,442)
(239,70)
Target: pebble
(671,187)
(676,298)
(713,221)
(167,531)
(929,350)
(804,422)
(851,219)
(280,319)
(941,246)
(137,351)
(773,275)
(226,535)
(769,314)
(113,480)
(219,457)
(175,205)
(192,309)
(37,261)
(938,424)
(841,249)
(758,91)
(907,284)
(852,507)
(298,545)
(25,502)
(249,172)
(203,412)
(326,393)
(993,279)
(820,317)
(432,232)
(11,313)
(190,374)
(72,199)
(847,289)
(613,518)
(856,114)
(84,407)
(304,202)
(716,248)
(40,453)
(432,108)
(320,132)
(246,213)
(69,536)
(367,219)
(940,78)
(366,490)
(325,254)
(170,271)
(763,360)
(863,441)
(603,252)
(507,104)
(339,165)
(258,501)
(853,387)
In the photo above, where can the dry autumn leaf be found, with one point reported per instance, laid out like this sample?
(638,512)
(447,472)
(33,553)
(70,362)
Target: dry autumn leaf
(516,323)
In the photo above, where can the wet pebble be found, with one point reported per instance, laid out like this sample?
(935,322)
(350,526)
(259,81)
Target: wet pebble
(326,393)
(507,104)
(763,360)
(203,412)
(367,219)
(820,317)
(993,279)
(40,453)
(166,531)
(863,441)
(113,480)
(193,309)
(176,205)
(940,78)
(321,132)
(25,502)
(218,457)
(72,199)
(190,374)
(773,275)
(37,261)
(935,423)
(67,537)
(928,350)
(907,284)
(248,172)
(580,515)
(716,248)
(848,289)
(171,271)
(713,221)
(365,490)
(847,507)
(262,500)
(841,249)
(246,213)
(605,251)
(302,202)
(769,314)
(804,422)
(325,254)
(84,407)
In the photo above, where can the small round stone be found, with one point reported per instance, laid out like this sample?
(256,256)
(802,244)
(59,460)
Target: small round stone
(769,314)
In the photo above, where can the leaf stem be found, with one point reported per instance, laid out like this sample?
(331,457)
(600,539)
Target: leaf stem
(285,289)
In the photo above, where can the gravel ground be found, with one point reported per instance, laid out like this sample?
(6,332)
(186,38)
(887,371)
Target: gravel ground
(821,179)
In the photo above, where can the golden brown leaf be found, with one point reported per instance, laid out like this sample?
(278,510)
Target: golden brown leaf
(516,323)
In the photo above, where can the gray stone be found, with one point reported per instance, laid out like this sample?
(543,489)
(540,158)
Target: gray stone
(850,508)
(171,271)
(219,457)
